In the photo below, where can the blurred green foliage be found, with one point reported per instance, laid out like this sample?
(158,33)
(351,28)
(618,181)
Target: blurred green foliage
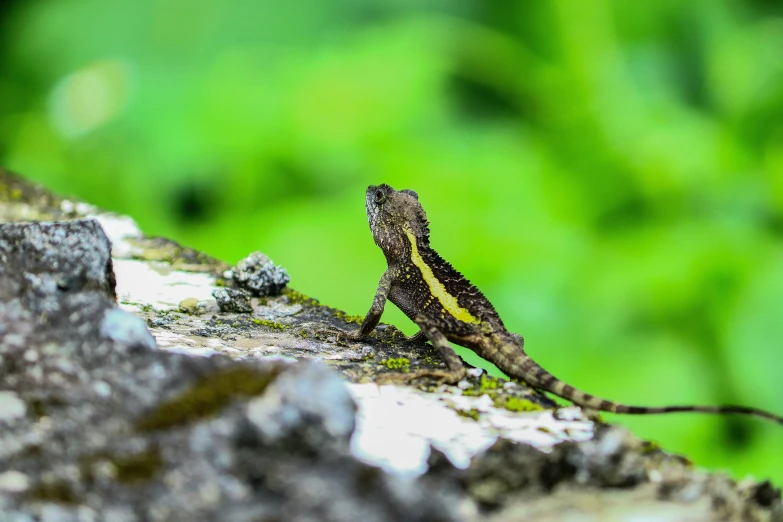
(610,173)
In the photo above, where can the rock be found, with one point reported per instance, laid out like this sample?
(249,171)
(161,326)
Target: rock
(96,421)
(71,255)
(189,305)
(13,482)
(125,328)
(232,301)
(260,276)
(11,407)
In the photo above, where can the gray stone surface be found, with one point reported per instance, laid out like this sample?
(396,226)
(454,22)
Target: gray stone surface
(98,423)
(259,275)
(232,301)
(66,255)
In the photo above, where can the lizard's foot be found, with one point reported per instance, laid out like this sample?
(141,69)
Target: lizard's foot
(417,337)
(343,335)
(442,376)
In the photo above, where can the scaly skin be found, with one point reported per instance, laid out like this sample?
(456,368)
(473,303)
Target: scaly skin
(448,308)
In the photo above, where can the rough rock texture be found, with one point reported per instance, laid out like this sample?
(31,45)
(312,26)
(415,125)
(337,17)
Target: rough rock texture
(98,423)
(36,248)
(259,275)
(232,301)
(614,476)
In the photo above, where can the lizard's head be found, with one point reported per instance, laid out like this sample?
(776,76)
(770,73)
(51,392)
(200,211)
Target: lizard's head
(393,215)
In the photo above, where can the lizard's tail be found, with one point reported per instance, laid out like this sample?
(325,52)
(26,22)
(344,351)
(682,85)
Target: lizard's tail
(522,365)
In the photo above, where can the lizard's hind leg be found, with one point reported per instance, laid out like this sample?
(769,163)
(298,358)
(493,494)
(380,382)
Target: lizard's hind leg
(456,370)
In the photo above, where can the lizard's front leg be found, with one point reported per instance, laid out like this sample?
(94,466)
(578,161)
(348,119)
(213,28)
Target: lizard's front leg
(456,370)
(375,312)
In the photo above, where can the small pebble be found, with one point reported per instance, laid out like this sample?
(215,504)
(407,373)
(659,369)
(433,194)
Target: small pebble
(189,305)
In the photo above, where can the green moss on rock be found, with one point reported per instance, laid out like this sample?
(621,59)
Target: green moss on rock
(295,297)
(56,492)
(356,319)
(271,324)
(472,413)
(208,396)
(400,363)
(138,468)
(489,383)
(650,446)
(511,403)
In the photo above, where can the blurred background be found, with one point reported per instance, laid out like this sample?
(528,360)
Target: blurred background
(609,173)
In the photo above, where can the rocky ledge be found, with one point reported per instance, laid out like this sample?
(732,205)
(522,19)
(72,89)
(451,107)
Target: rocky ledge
(140,380)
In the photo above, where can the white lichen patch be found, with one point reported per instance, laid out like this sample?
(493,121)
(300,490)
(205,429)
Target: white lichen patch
(11,406)
(541,429)
(277,310)
(396,425)
(138,282)
(176,343)
(119,229)
(126,328)
(14,481)
(83,209)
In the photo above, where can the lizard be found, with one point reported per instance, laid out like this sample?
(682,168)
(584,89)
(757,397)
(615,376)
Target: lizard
(448,308)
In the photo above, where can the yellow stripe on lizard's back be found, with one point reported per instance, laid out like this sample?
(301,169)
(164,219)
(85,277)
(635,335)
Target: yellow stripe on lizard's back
(448,301)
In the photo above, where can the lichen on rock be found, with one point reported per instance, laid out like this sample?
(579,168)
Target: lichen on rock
(259,275)
(105,416)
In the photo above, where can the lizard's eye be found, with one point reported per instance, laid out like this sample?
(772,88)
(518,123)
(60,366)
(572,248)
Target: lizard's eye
(379,196)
